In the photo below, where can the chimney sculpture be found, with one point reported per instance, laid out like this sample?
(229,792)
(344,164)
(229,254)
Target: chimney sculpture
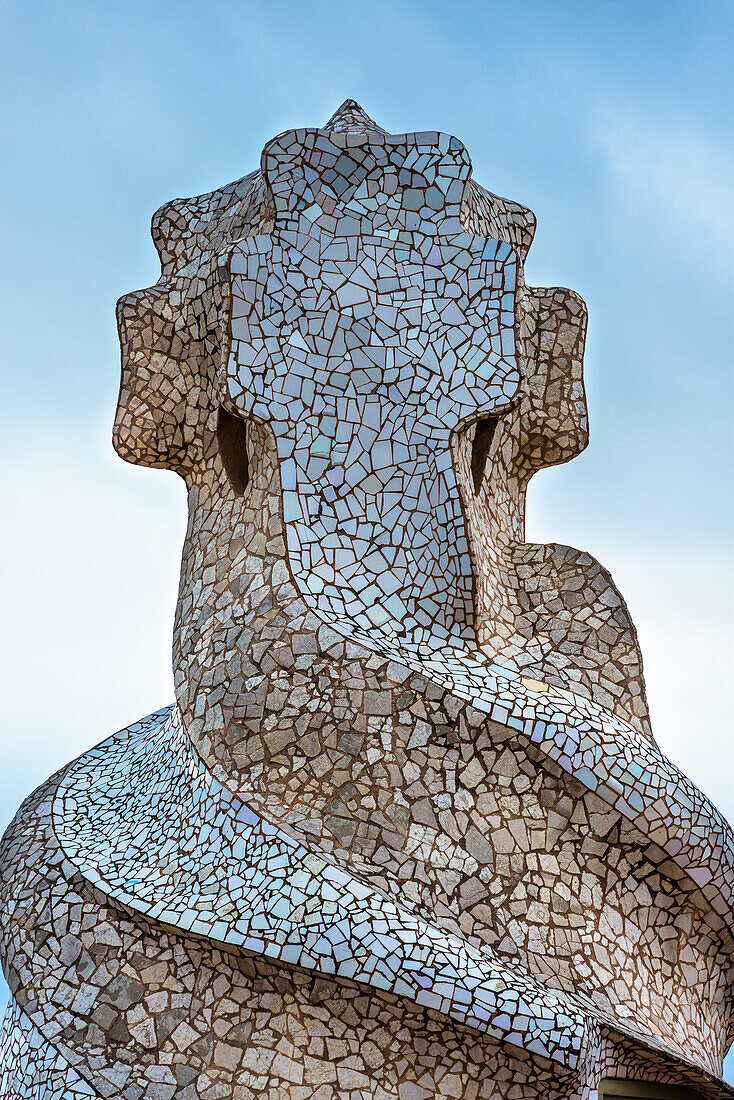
(405,832)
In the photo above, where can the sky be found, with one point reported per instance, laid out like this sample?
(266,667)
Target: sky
(611,120)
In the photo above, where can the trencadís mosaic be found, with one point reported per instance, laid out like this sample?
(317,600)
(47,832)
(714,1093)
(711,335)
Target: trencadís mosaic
(406,832)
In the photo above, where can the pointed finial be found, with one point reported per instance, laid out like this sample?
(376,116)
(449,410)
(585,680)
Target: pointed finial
(351,118)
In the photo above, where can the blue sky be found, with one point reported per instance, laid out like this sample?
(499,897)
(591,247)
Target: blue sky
(612,121)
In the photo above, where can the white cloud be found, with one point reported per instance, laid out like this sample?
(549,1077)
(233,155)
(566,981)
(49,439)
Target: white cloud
(89,569)
(683,179)
(683,607)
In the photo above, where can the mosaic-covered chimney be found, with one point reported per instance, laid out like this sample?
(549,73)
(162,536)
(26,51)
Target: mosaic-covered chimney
(405,831)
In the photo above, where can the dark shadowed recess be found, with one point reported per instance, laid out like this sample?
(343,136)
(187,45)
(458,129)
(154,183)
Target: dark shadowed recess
(640,1090)
(232,442)
(483,436)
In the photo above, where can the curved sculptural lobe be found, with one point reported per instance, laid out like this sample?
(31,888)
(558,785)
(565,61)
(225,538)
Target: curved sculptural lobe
(367,326)
(405,832)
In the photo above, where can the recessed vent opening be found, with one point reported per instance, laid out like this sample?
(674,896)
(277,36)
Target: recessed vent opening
(483,435)
(232,443)
(640,1090)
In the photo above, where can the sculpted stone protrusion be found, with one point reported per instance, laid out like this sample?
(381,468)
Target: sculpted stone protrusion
(405,832)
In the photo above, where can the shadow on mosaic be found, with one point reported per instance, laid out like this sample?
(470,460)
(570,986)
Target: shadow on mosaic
(406,831)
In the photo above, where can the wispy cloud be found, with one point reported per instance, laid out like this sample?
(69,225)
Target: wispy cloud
(683,180)
(89,574)
(683,604)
